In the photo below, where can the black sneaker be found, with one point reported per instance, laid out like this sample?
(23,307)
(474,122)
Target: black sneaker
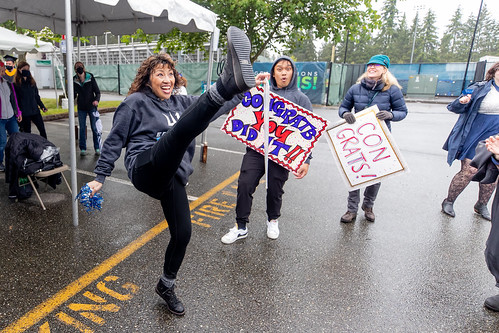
(492,303)
(237,75)
(173,304)
(2,167)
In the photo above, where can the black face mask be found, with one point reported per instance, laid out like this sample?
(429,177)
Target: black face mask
(25,73)
(79,70)
(9,68)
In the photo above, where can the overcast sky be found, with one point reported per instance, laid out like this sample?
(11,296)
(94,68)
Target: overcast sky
(443,9)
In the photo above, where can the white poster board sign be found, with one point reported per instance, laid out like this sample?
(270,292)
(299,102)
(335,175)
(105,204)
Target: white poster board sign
(365,151)
(293,130)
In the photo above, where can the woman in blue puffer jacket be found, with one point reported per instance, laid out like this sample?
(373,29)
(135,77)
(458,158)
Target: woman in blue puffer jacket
(478,111)
(377,86)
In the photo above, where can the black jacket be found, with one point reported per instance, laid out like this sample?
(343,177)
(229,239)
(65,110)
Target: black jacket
(23,156)
(86,92)
(487,174)
(28,98)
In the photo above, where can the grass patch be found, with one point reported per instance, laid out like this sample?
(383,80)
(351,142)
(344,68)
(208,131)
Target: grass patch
(51,105)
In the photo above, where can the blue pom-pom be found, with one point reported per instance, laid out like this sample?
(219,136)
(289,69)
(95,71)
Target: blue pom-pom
(90,203)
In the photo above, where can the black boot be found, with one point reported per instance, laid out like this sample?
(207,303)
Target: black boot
(237,75)
(482,210)
(492,303)
(173,304)
(448,208)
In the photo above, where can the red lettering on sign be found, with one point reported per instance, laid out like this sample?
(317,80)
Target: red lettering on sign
(381,151)
(291,156)
(361,167)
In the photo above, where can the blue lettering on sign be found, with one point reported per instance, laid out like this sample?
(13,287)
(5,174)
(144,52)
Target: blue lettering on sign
(250,133)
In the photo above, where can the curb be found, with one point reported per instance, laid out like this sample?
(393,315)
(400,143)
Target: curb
(66,115)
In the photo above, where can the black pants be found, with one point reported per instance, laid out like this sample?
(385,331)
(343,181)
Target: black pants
(37,120)
(252,170)
(154,174)
(492,245)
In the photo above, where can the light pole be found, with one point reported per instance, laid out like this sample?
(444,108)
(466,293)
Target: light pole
(415,28)
(471,46)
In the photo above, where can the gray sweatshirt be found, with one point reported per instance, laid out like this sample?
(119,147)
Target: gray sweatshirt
(139,121)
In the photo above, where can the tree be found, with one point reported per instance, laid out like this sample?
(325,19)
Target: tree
(429,38)
(304,48)
(387,32)
(359,49)
(401,46)
(415,41)
(464,43)
(450,39)
(326,51)
(273,23)
(486,40)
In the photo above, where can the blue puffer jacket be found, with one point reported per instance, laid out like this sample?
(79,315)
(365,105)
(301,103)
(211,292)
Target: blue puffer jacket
(467,114)
(359,95)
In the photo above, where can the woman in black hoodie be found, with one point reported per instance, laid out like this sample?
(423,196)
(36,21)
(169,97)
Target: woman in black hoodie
(29,99)
(158,128)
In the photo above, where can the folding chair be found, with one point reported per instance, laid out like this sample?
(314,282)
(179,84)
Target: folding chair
(45,174)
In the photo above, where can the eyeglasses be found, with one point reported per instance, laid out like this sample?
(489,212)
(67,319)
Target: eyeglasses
(374,65)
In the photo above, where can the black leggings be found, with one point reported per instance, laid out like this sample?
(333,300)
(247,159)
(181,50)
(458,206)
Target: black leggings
(154,174)
(37,120)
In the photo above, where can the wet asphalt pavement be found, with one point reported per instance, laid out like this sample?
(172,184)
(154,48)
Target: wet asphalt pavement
(413,270)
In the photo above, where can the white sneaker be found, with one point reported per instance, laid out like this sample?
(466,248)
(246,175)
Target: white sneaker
(234,234)
(273,229)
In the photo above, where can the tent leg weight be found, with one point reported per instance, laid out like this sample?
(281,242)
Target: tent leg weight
(204,152)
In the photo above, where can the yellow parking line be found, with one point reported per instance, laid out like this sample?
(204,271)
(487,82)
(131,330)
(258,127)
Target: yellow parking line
(45,308)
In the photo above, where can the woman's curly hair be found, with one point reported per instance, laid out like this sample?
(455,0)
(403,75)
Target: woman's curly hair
(147,67)
(492,71)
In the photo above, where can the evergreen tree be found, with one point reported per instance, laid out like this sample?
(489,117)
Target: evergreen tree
(464,42)
(359,49)
(325,52)
(450,39)
(388,23)
(429,38)
(416,40)
(304,49)
(401,48)
(486,39)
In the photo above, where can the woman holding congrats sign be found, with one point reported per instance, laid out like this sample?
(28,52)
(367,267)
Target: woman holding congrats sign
(377,86)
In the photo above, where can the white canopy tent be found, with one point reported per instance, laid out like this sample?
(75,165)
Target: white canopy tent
(94,17)
(11,41)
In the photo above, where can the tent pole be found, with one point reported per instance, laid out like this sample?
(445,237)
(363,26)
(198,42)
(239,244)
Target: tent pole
(71,108)
(204,143)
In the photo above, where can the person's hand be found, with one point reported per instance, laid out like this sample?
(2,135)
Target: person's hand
(20,118)
(302,171)
(492,144)
(95,103)
(44,110)
(260,78)
(384,115)
(465,99)
(95,187)
(349,117)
